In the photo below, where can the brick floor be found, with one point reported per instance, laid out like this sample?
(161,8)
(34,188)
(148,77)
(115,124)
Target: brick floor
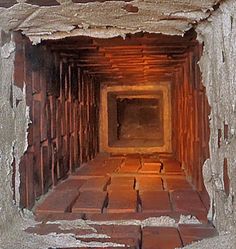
(192,233)
(58,202)
(150,165)
(122,201)
(171,166)
(151,168)
(155,201)
(129,231)
(176,184)
(152,196)
(126,188)
(161,238)
(187,200)
(112,165)
(133,235)
(130,168)
(90,202)
(70,184)
(129,242)
(121,183)
(148,183)
(95,184)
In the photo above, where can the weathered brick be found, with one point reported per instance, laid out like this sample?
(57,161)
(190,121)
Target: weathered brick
(151,168)
(187,200)
(58,202)
(95,184)
(122,201)
(70,184)
(161,237)
(172,166)
(90,202)
(177,184)
(155,201)
(148,183)
(192,233)
(121,183)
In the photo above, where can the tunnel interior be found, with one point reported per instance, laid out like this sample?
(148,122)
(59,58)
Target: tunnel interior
(87,96)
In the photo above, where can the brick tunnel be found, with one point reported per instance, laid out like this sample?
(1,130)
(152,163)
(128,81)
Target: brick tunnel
(117,124)
(119,130)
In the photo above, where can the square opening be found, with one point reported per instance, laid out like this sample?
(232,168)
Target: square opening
(135,120)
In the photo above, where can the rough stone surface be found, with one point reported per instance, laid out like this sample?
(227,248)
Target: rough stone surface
(219,75)
(13,133)
(111,18)
(226,241)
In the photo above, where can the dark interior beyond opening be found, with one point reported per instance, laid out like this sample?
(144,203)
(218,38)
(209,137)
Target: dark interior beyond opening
(138,121)
(138,118)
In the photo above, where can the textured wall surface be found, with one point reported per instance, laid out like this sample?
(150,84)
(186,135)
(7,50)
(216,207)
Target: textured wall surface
(110,18)
(190,119)
(63,108)
(13,132)
(219,76)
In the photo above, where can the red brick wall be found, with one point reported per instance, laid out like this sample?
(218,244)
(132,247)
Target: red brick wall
(190,118)
(64,104)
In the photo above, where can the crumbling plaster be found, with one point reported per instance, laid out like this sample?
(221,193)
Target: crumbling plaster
(104,19)
(219,76)
(13,132)
(218,33)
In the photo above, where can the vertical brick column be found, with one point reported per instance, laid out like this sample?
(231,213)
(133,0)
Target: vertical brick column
(63,103)
(190,117)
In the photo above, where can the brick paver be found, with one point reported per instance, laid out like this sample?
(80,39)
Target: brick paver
(191,233)
(90,202)
(171,166)
(58,202)
(130,168)
(124,188)
(70,184)
(148,183)
(121,231)
(122,201)
(95,184)
(187,200)
(150,165)
(161,238)
(121,183)
(155,201)
(129,242)
(177,184)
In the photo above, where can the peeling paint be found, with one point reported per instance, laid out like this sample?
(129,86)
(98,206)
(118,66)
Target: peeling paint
(219,76)
(167,17)
(7,138)
(7,50)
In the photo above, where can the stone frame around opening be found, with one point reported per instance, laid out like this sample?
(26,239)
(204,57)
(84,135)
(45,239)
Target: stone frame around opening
(163,87)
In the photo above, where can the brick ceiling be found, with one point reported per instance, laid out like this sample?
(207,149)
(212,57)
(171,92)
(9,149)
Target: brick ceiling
(140,58)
